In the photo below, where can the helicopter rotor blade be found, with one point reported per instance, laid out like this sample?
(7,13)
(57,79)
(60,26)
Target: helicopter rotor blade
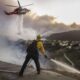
(11,5)
(27,5)
(18,3)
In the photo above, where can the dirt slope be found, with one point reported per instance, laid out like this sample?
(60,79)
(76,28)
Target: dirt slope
(10,72)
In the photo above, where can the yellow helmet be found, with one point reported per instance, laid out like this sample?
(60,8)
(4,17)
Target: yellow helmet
(39,36)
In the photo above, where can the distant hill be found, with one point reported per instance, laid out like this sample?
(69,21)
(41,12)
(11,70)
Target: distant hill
(70,35)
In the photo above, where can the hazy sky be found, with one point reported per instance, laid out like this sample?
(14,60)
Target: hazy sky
(66,11)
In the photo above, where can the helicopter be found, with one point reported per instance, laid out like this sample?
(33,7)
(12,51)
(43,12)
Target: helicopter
(18,11)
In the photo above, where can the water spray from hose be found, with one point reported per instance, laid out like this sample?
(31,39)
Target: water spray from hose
(65,66)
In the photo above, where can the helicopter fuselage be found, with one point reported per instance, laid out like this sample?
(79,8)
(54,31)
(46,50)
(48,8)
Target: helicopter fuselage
(18,11)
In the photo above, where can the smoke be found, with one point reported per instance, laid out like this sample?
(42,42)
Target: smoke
(9,52)
(41,24)
(47,24)
(8,30)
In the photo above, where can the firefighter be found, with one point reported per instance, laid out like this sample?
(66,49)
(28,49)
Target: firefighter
(33,53)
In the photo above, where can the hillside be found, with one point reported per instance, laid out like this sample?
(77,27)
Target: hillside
(71,49)
(70,35)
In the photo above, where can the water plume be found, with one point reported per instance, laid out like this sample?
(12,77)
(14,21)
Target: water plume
(65,67)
